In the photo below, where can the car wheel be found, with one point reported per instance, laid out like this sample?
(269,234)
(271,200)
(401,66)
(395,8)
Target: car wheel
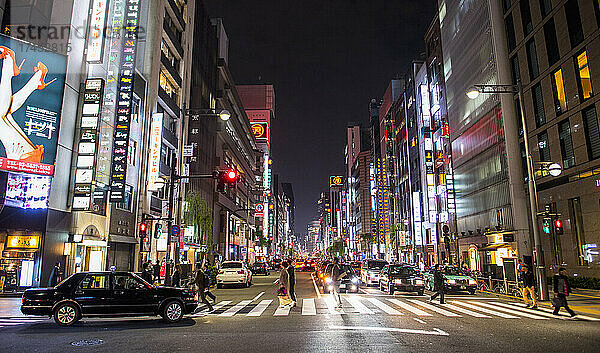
(67,314)
(172,311)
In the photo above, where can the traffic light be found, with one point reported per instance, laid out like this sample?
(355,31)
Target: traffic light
(558,227)
(227,178)
(157,230)
(143,230)
(546,225)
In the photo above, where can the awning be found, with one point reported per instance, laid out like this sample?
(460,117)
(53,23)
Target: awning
(113,238)
(494,247)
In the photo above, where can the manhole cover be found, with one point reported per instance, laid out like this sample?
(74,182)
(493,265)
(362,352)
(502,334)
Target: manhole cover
(85,343)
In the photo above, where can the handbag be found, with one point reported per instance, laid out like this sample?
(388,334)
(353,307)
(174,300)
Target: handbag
(556,301)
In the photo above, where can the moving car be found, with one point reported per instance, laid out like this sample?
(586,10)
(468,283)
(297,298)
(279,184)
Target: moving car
(320,272)
(349,283)
(261,268)
(234,272)
(107,294)
(369,271)
(400,277)
(455,280)
(276,264)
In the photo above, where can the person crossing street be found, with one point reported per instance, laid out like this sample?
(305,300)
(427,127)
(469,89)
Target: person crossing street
(561,291)
(528,281)
(438,284)
(292,282)
(202,286)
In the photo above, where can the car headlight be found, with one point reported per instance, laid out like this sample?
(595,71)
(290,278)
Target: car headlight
(472,282)
(451,281)
(355,280)
(419,282)
(328,280)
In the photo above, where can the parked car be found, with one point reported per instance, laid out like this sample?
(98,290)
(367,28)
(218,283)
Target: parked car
(455,280)
(261,268)
(234,272)
(369,271)
(349,283)
(401,277)
(107,293)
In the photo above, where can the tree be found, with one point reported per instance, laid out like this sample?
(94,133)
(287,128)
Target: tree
(336,249)
(199,215)
(367,239)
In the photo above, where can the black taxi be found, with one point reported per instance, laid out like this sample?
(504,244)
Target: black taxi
(107,294)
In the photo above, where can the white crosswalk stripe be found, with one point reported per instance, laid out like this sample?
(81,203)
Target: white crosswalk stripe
(484,310)
(215,307)
(330,302)
(410,308)
(234,309)
(548,310)
(386,308)
(308,306)
(259,309)
(466,311)
(512,312)
(356,303)
(532,311)
(282,311)
(434,308)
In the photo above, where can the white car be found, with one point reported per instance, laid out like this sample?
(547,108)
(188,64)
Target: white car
(234,272)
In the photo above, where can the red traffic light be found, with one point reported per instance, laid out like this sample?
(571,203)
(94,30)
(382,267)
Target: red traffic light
(143,227)
(558,223)
(232,175)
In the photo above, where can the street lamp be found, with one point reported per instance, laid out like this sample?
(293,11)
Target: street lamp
(224,114)
(473,93)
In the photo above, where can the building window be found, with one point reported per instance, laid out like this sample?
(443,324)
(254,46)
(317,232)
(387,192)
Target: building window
(532,60)
(127,199)
(566,144)
(526,17)
(538,105)
(558,90)
(524,161)
(510,33)
(171,58)
(551,42)
(169,87)
(545,7)
(592,134)
(544,147)
(574,22)
(514,68)
(584,78)
(577,229)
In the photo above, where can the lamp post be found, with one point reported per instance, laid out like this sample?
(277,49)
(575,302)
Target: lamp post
(473,93)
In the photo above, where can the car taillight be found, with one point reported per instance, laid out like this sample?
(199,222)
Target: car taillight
(221,272)
(241,272)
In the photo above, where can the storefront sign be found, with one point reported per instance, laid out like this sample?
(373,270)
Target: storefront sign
(28,242)
(336,180)
(88,143)
(27,191)
(155,147)
(124,100)
(260,130)
(95,42)
(29,129)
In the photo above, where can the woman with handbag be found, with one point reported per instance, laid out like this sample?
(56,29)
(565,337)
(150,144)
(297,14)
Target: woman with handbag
(284,286)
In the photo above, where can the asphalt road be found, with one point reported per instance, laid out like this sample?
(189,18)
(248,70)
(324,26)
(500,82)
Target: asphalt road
(248,320)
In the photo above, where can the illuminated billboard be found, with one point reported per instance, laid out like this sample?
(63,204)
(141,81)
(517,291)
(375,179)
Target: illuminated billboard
(260,130)
(336,180)
(27,191)
(31,90)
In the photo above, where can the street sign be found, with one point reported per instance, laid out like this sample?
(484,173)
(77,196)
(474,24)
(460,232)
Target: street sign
(188,150)
(259,207)
(175,230)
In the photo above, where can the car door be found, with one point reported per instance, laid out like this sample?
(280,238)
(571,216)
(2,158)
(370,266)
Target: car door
(132,295)
(93,293)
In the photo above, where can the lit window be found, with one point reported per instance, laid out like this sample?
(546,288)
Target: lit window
(558,88)
(583,75)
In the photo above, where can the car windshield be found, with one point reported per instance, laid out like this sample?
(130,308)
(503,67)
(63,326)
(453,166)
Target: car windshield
(454,271)
(402,270)
(376,265)
(231,265)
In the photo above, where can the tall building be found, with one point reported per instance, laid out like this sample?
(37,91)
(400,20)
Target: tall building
(551,47)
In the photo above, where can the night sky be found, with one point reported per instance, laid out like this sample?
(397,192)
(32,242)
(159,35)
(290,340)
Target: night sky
(326,59)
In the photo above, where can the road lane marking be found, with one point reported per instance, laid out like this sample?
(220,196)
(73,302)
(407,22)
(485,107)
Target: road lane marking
(260,308)
(410,308)
(434,308)
(419,320)
(355,302)
(512,312)
(434,332)
(315,284)
(234,309)
(466,311)
(388,309)
(282,310)
(527,310)
(548,310)
(308,306)
(215,308)
(484,310)
(258,296)
(331,306)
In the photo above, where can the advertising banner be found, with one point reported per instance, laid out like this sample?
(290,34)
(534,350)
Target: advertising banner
(31,90)
(336,180)
(260,130)
(95,42)
(155,148)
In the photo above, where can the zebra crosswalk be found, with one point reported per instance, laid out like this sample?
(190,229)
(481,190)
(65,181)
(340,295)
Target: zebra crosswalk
(359,304)
(15,321)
